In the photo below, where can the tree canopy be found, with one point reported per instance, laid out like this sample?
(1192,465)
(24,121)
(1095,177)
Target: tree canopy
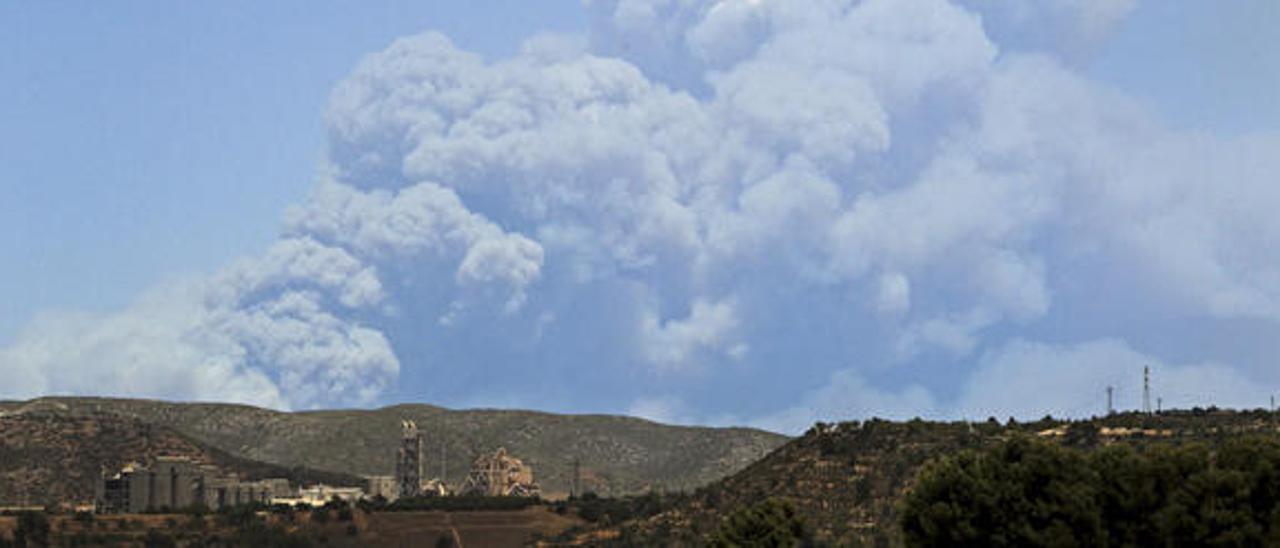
(1027,492)
(772,522)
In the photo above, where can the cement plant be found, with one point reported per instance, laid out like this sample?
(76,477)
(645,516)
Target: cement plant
(172,483)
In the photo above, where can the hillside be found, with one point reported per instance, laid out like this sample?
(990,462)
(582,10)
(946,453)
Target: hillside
(617,455)
(846,479)
(49,457)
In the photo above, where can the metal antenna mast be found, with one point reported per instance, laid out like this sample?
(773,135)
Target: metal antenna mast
(1146,390)
(1110,408)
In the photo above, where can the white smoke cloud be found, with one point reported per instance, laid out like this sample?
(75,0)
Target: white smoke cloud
(421,222)
(185,341)
(674,344)
(869,208)
(1072,29)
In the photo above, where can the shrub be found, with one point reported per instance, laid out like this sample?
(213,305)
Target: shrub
(773,522)
(33,529)
(156,539)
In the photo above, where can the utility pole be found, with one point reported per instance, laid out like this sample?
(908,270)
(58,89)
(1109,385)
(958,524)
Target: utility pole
(1110,408)
(1159,405)
(1146,390)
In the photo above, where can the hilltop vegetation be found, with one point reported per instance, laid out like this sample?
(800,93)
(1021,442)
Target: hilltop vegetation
(617,455)
(1029,492)
(847,481)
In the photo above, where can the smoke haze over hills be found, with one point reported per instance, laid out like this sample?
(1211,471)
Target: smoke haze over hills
(733,211)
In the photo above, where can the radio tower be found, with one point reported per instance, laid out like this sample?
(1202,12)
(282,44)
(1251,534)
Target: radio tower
(1146,390)
(1110,409)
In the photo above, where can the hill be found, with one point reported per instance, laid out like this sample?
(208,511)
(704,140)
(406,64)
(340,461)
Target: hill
(617,455)
(847,479)
(49,457)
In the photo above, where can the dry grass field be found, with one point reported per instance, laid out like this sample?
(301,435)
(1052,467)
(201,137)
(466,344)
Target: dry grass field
(475,528)
(496,528)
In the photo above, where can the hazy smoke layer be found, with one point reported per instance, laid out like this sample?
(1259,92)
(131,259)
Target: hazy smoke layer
(733,211)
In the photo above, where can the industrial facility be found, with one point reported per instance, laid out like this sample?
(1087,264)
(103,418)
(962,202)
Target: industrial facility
(178,482)
(495,475)
(500,475)
(409,460)
(382,486)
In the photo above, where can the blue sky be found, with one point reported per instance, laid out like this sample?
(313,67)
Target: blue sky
(161,157)
(146,140)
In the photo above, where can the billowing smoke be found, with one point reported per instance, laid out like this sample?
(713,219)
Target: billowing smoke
(733,211)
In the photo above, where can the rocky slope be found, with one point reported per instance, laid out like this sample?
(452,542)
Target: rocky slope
(50,457)
(617,455)
(846,479)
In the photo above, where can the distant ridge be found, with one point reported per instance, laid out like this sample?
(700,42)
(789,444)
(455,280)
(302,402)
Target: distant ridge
(50,456)
(618,455)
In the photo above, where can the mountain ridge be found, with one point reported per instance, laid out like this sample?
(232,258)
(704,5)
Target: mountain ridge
(617,454)
(48,457)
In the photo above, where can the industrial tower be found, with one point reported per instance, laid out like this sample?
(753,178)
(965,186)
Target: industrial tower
(1146,390)
(409,460)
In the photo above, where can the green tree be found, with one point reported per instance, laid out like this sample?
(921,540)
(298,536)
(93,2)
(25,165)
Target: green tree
(1229,499)
(156,539)
(320,515)
(1023,492)
(1031,493)
(773,522)
(32,530)
(85,518)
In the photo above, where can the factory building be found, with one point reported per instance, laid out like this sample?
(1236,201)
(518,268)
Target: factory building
(177,482)
(500,475)
(320,495)
(384,486)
